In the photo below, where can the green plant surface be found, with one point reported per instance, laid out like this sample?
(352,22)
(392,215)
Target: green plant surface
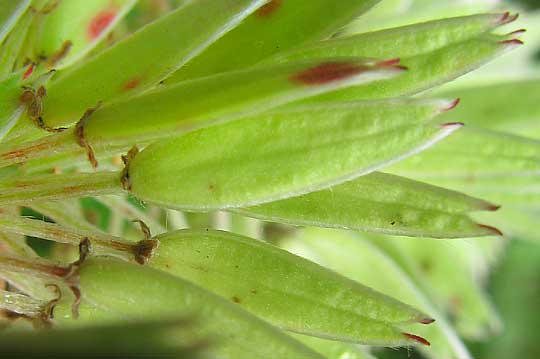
(482,166)
(9,107)
(334,350)
(383,203)
(84,25)
(206,101)
(463,298)
(277,26)
(403,42)
(432,69)
(114,287)
(279,282)
(156,47)
(205,175)
(134,340)
(11,11)
(358,259)
(249,174)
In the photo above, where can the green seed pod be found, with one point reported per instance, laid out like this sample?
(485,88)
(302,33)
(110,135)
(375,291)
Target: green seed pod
(431,69)
(113,290)
(277,26)
(90,23)
(360,259)
(403,42)
(200,172)
(383,203)
(199,103)
(288,291)
(143,59)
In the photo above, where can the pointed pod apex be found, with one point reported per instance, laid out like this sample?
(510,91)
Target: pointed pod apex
(506,18)
(511,43)
(417,339)
(388,63)
(452,125)
(492,207)
(494,231)
(452,105)
(517,32)
(426,321)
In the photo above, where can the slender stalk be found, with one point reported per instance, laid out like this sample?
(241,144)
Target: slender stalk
(14,152)
(35,266)
(54,187)
(101,243)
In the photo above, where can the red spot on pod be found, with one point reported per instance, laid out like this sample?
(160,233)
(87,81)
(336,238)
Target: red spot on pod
(269,9)
(100,22)
(328,72)
(492,230)
(28,71)
(131,84)
(417,339)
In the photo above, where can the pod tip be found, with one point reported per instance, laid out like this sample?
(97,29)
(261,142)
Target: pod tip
(491,229)
(417,339)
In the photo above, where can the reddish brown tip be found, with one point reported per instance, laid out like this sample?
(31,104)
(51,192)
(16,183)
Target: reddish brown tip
(452,125)
(512,42)
(386,63)
(426,321)
(452,105)
(417,339)
(493,230)
(492,207)
(328,72)
(507,18)
(28,71)
(517,32)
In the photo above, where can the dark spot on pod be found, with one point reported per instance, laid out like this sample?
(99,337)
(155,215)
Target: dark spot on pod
(236,299)
(269,9)
(426,265)
(328,72)
(254,291)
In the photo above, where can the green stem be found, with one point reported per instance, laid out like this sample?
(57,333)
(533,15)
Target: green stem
(54,187)
(102,243)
